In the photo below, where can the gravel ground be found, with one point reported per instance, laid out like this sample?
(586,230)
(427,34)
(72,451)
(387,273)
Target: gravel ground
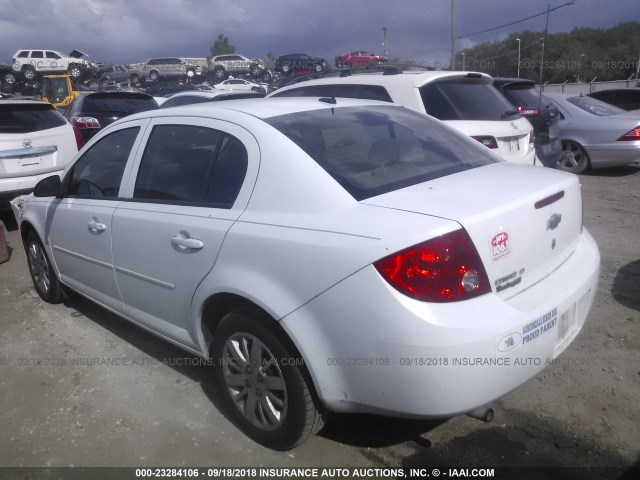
(159,409)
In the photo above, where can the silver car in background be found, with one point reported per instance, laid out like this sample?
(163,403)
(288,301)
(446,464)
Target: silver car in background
(595,134)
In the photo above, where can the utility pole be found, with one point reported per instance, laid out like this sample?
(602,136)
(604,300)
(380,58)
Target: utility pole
(385,45)
(453,35)
(518,40)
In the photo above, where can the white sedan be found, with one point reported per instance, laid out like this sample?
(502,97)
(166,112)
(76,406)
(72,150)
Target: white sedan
(327,254)
(239,84)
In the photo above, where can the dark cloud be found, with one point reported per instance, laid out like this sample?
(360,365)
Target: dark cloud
(134,30)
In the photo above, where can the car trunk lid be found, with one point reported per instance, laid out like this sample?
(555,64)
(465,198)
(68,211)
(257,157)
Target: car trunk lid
(525,222)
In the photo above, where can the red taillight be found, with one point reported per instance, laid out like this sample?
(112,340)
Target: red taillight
(528,111)
(487,140)
(631,135)
(85,122)
(81,123)
(443,269)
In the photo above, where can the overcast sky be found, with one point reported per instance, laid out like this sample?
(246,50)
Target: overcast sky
(127,31)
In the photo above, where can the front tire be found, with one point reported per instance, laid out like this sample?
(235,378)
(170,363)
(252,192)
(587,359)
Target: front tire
(154,76)
(75,71)
(262,383)
(255,70)
(42,273)
(574,159)
(220,74)
(9,78)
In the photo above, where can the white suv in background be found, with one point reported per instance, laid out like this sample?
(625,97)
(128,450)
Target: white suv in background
(466,101)
(35,142)
(33,62)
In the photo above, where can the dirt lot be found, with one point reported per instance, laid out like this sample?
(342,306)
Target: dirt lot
(584,410)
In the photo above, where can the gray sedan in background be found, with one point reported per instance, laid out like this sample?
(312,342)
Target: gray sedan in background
(595,134)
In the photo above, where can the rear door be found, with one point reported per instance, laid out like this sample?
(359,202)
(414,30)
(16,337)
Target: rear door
(80,222)
(191,182)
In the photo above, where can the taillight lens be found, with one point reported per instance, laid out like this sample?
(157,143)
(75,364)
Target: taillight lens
(487,140)
(444,269)
(631,135)
(81,123)
(528,111)
(85,122)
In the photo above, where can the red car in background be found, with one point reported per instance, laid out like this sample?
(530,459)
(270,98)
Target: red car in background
(359,59)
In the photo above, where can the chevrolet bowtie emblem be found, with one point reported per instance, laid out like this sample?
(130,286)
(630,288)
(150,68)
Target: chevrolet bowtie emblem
(554,221)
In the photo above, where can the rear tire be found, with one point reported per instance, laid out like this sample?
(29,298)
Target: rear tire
(42,273)
(262,382)
(574,159)
(29,73)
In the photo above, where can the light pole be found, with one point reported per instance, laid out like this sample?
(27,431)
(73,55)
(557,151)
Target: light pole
(463,61)
(518,40)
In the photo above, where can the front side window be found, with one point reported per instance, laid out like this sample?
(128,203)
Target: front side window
(374,151)
(98,173)
(52,55)
(193,165)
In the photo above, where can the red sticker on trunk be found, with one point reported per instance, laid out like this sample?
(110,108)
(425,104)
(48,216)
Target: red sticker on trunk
(500,245)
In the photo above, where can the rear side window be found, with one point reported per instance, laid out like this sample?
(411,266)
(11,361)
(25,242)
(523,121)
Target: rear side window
(464,100)
(25,118)
(98,173)
(374,151)
(128,105)
(193,165)
(594,106)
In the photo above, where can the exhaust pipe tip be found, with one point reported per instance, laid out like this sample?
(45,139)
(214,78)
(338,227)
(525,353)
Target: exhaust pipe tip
(484,414)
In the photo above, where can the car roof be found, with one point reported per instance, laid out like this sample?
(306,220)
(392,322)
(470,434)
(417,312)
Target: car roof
(413,78)
(262,108)
(511,81)
(208,93)
(12,101)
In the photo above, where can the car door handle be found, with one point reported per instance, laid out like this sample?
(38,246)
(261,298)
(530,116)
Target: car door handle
(96,226)
(186,242)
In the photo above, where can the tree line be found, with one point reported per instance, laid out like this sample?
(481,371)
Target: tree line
(582,55)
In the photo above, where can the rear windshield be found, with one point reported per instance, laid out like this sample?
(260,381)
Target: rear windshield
(526,96)
(29,117)
(465,100)
(121,104)
(596,107)
(371,151)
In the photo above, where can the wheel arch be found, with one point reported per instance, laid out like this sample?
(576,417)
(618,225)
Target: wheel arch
(217,306)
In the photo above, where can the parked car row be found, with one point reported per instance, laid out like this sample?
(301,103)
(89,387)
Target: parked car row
(415,198)
(417,242)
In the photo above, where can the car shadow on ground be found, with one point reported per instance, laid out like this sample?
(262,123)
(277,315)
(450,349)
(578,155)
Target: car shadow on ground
(355,430)
(614,171)
(522,445)
(626,285)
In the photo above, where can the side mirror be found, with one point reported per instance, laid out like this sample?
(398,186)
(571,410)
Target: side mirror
(48,187)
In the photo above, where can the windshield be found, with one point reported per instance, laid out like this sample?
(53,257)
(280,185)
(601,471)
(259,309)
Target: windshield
(126,104)
(462,99)
(371,151)
(595,107)
(526,96)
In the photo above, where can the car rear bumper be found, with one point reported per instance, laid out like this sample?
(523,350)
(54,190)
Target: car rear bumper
(13,187)
(549,153)
(386,353)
